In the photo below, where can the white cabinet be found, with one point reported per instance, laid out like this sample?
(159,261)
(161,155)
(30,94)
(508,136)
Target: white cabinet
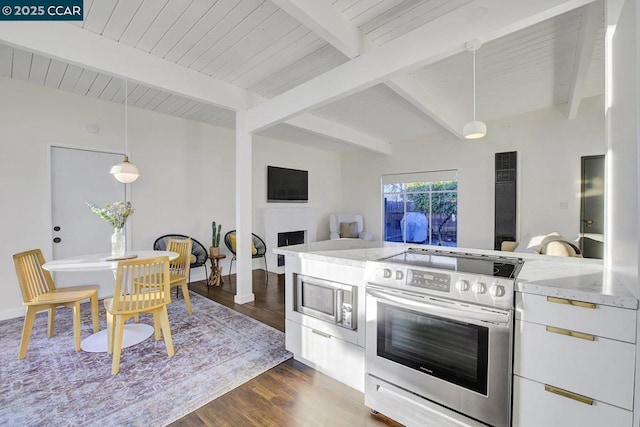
(535,406)
(328,354)
(574,363)
(604,321)
(331,349)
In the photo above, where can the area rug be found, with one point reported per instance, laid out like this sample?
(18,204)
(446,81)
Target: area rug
(216,350)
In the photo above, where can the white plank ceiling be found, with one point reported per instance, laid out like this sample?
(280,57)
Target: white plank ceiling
(258,47)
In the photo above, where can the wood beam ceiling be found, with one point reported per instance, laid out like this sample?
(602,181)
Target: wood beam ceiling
(584,53)
(71,44)
(441,38)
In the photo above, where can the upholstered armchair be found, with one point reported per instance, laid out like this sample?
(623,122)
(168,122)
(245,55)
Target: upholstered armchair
(347,225)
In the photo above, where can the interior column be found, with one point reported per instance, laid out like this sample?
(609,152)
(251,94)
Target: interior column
(244,290)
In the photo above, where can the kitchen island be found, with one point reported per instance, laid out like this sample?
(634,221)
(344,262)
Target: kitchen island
(573,278)
(570,317)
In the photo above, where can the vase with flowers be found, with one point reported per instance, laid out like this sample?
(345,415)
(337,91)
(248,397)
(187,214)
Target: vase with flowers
(115,214)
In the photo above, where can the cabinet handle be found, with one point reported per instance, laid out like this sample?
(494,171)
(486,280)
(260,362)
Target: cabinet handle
(572,302)
(322,334)
(571,333)
(568,394)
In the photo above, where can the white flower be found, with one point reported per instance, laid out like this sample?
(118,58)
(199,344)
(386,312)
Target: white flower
(115,213)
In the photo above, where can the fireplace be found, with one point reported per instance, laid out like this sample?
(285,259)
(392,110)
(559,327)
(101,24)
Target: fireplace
(289,238)
(283,220)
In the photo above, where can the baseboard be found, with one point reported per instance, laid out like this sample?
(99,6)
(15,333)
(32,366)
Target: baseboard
(11,313)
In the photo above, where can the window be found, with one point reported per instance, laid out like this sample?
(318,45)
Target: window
(421,208)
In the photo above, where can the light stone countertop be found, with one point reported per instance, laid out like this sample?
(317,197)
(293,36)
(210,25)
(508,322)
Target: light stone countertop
(574,278)
(352,252)
(571,278)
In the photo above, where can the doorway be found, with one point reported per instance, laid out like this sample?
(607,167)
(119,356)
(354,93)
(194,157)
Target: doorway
(592,207)
(79,176)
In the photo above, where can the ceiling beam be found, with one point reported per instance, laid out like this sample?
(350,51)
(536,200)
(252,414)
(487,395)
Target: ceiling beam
(590,24)
(321,18)
(71,44)
(322,126)
(326,22)
(408,87)
(441,38)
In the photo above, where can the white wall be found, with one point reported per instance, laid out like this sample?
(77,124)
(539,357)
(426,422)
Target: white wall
(622,165)
(621,251)
(325,180)
(188,172)
(549,149)
(325,193)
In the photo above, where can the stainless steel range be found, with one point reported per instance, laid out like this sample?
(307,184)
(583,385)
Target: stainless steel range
(439,337)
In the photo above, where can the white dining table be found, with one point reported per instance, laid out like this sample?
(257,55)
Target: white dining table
(134,333)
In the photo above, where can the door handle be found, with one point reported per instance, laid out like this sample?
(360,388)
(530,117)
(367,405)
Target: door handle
(57,240)
(588,222)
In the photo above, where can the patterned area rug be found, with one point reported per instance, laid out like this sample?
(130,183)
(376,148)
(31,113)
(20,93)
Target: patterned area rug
(216,350)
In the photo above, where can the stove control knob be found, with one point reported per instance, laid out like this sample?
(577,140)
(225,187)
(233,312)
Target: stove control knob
(497,290)
(479,288)
(386,273)
(399,275)
(462,285)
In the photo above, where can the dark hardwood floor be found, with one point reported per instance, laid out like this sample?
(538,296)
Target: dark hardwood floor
(268,306)
(290,394)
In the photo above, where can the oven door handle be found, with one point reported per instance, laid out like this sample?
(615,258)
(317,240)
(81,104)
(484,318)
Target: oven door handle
(488,316)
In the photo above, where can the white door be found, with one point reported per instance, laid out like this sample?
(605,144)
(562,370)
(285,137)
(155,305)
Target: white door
(79,176)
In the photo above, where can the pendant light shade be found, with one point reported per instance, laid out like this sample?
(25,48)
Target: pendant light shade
(125,172)
(475,129)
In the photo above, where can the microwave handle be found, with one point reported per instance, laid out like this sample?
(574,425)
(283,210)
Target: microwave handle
(436,309)
(339,300)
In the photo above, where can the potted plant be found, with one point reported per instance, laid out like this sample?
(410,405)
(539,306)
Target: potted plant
(215,239)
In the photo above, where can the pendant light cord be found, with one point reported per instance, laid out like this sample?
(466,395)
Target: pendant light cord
(474,84)
(126,118)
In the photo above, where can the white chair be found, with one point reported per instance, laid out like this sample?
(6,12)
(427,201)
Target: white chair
(347,225)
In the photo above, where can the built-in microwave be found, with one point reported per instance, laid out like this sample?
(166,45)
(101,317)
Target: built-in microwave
(329,301)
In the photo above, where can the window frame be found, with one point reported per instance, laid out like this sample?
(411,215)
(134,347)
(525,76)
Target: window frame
(401,195)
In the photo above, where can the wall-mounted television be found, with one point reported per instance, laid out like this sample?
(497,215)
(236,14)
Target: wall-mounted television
(287,185)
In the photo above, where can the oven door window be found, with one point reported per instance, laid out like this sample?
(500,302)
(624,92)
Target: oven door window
(318,298)
(453,351)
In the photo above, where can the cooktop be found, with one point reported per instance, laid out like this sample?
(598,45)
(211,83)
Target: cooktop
(488,265)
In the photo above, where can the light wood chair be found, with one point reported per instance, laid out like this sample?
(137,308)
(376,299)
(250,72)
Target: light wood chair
(40,293)
(179,267)
(142,286)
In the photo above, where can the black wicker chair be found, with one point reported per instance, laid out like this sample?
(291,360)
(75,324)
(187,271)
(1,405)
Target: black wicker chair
(258,243)
(199,252)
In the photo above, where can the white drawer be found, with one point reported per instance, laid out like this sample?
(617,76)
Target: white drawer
(602,369)
(339,359)
(533,406)
(604,321)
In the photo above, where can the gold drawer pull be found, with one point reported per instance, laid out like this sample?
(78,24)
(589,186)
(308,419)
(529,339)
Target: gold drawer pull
(568,394)
(571,333)
(322,334)
(572,302)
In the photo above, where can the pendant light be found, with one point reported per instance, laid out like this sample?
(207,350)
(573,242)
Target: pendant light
(475,129)
(125,172)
